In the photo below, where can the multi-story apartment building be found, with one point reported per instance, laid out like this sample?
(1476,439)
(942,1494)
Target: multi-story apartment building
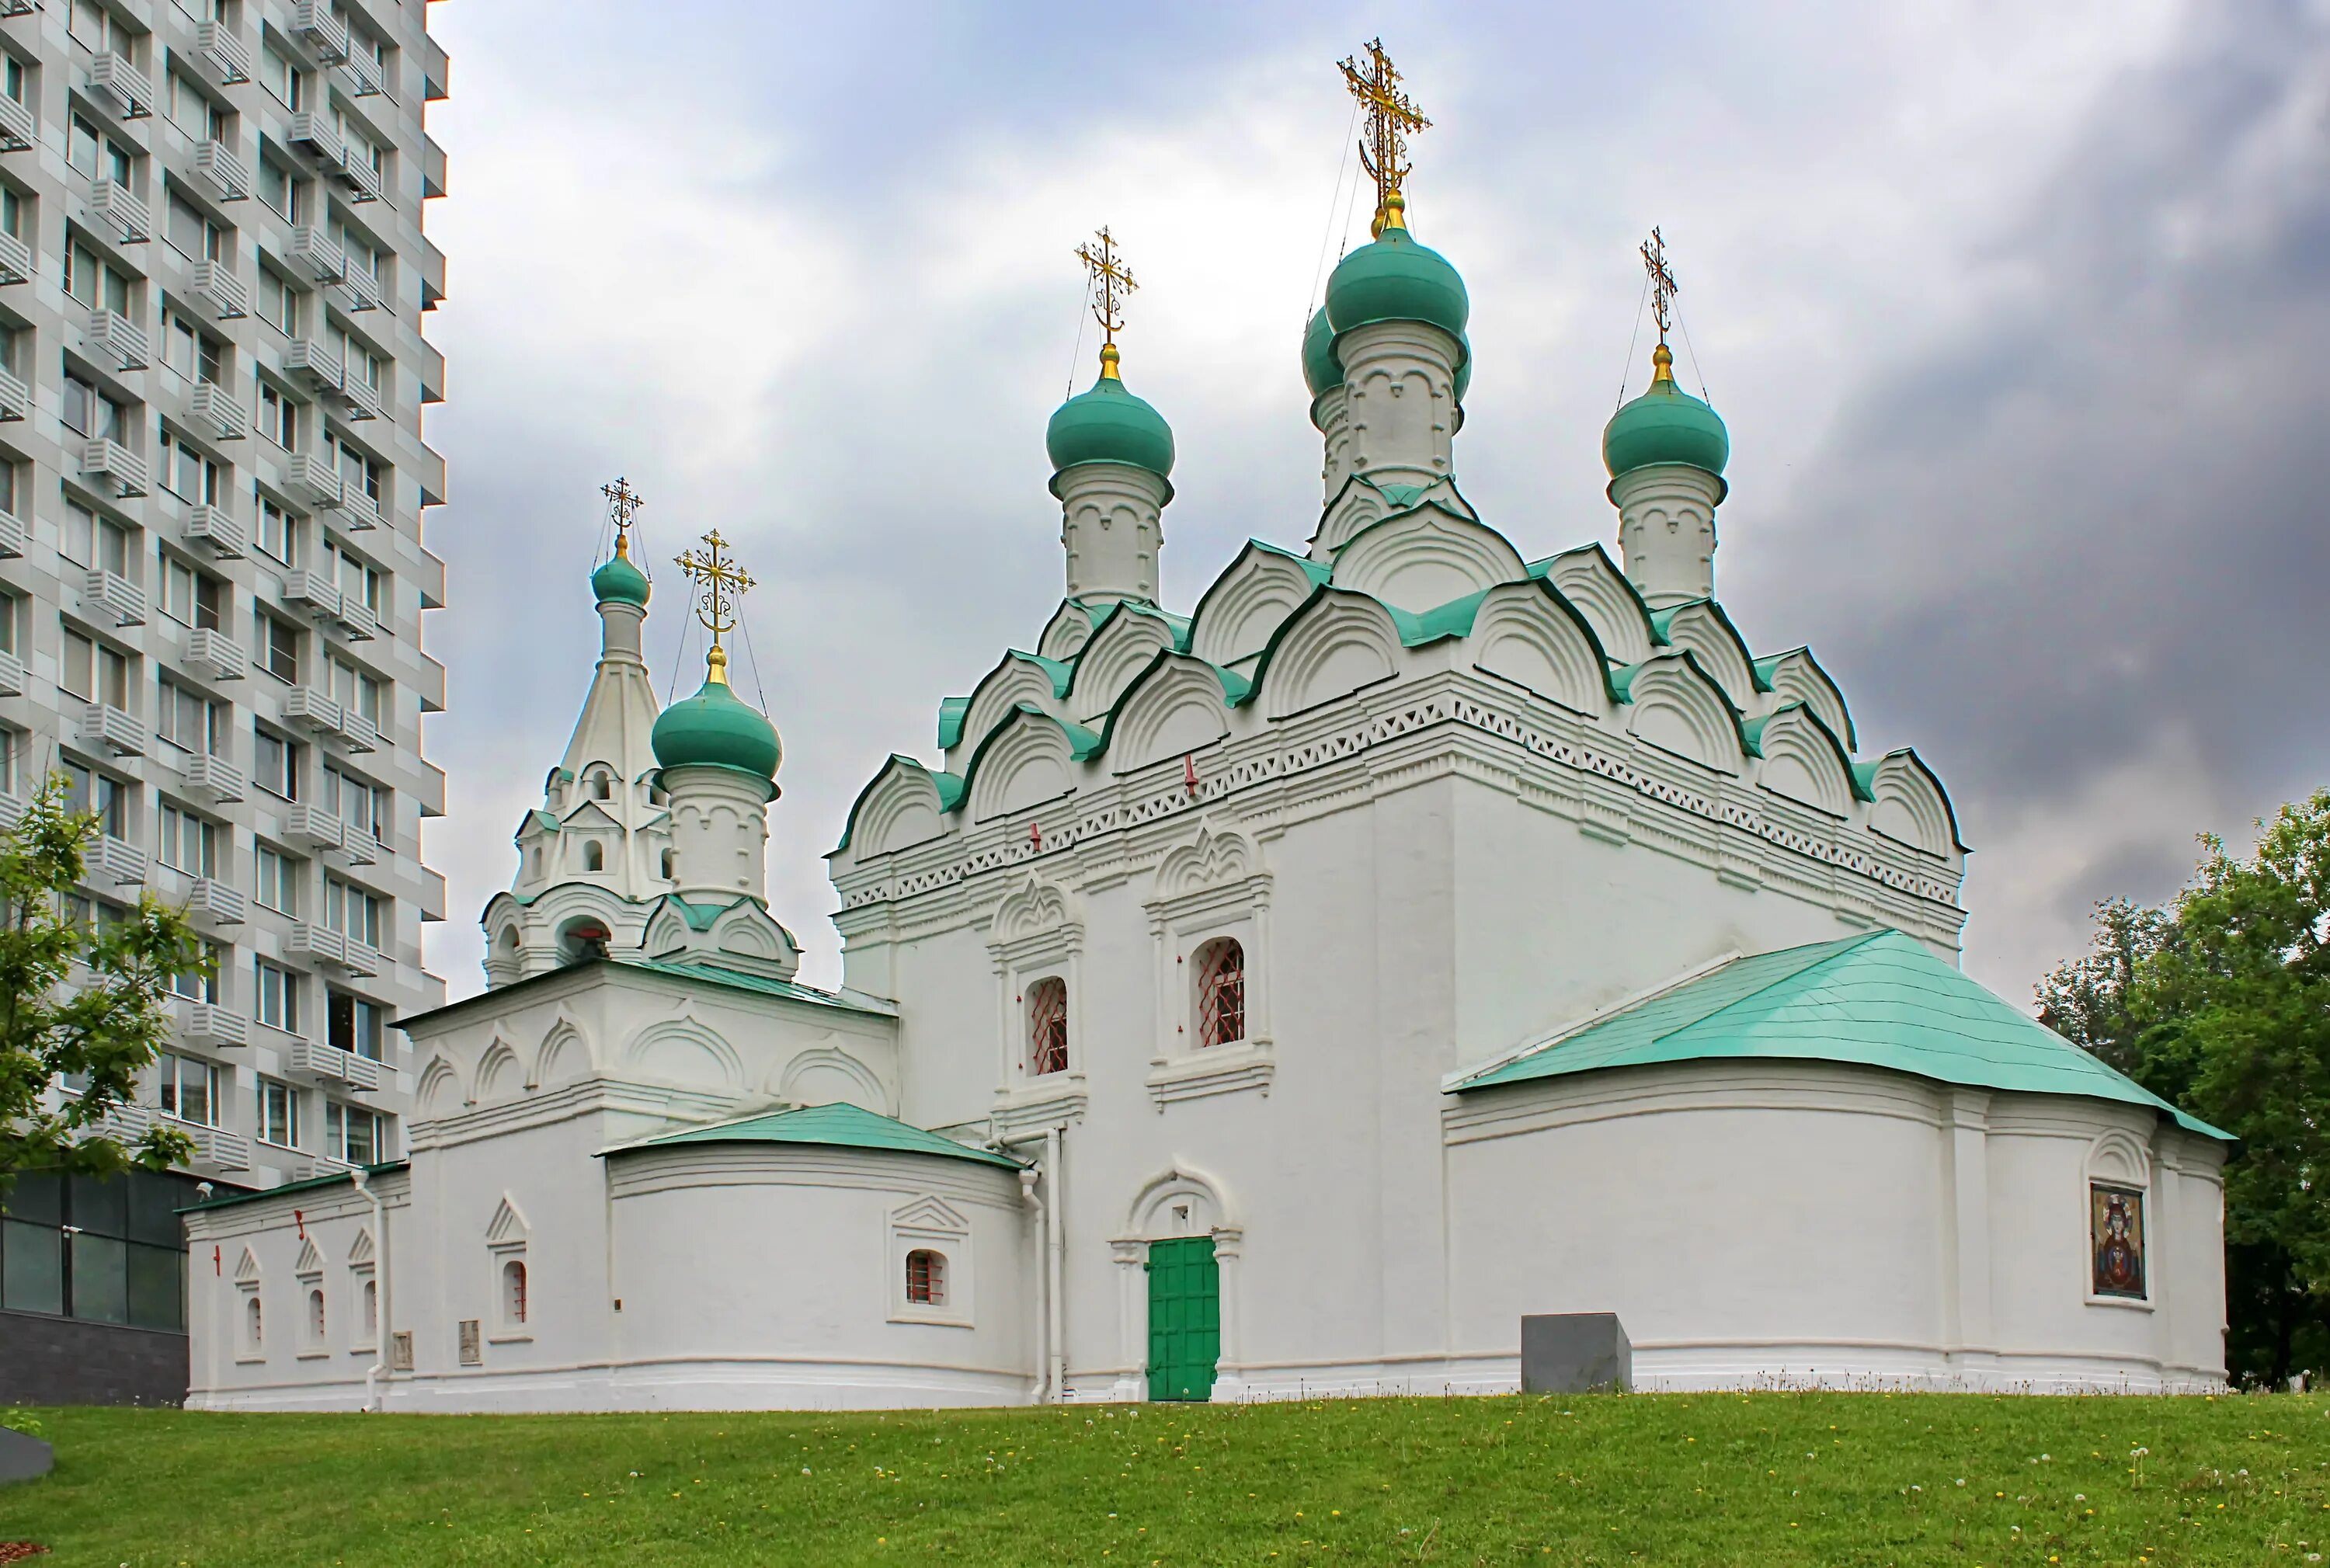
(213,280)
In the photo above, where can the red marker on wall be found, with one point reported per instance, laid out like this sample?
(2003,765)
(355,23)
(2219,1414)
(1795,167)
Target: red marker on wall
(215,1267)
(300,1221)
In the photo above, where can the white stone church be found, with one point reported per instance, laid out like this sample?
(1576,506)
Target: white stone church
(1285,994)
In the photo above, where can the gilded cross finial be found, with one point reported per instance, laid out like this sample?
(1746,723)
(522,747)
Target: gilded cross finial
(623,503)
(719,583)
(1383,144)
(1664,289)
(1111,282)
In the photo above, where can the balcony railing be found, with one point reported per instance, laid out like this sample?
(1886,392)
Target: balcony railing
(223,52)
(322,1063)
(210,1026)
(12,675)
(358,511)
(213,408)
(216,531)
(229,175)
(316,944)
(113,207)
(311,710)
(314,253)
(106,726)
(356,845)
(312,480)
(363,399)
(116,336)
(314,26)
(314,828)
(214,778)
(313,591)
(114,76)
(12,810)
(315,136)
(357,732)
(16,256)
(19,130)
(314,366)
(14,537)
(216,654)
(363,77)
(117,861)
(15,396)
(107,593)
(214,1147)
(357,618)
(355,170)
(214,901)
(217,286)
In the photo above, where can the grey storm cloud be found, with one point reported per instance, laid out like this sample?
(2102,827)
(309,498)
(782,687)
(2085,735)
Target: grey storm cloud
(2016,315)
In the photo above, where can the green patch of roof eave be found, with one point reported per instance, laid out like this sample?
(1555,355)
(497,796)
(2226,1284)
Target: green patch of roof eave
(840,1125)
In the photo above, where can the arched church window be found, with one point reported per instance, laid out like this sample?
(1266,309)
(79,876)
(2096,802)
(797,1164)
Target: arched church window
(513,1291)
(537,860)
(316,1315)
(252,1325)
(926,1277)
(594,855)
(666,865)
(371,1310)
(1221,992)
(582,940)
(1047,1026)
(603,787)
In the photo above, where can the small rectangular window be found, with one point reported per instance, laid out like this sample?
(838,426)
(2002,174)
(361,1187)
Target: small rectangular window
(275,880)
(277,644)
(279,532)
(88,792)
(189,1089)
(274,765)
(352,1133)
(277,1119)
(352,1024)
(275,995)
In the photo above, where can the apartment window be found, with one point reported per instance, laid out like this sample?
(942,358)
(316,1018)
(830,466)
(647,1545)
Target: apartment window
(274,995)
(285,193)
(281,76)
(190,351)
(360,472)
(13,744)
(279,302)
(357,580)
(352,912)
(97,157)
(190,597)
(278,417)
(189,1089)
(355,690)
(279,532)
(362,806)
(360,362)
(12,626)
(92,24)
(87,412)
(352,1024)
(278,1122)
(89,793)
(362,254)
(93,672)
(186,718)
(275,880)
(89,540)
(186,473)
(275,764)
(352,1133)
(195,985)
(194,113)
(14,207)
(98,284)
(277,644)
(13,79)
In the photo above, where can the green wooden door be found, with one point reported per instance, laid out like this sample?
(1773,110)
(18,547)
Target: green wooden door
(1185,1318)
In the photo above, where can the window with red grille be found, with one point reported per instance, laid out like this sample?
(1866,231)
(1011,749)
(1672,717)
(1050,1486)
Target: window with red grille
(1047,1026)
(1221,992)
(513,1291)
(926,1277)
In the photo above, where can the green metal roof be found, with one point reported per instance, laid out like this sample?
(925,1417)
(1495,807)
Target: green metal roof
(713,974)
(1882,999)
(312,1184)
(952,713)
(837,1126)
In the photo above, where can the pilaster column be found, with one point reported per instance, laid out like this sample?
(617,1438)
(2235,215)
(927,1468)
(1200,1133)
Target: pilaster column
(1229,1382)
(1131,1384)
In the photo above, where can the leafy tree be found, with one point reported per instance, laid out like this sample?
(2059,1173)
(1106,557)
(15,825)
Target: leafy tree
(2221,1003)
(80,1000)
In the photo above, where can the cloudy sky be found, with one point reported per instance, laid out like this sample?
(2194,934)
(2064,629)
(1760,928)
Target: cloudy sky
(2017,315)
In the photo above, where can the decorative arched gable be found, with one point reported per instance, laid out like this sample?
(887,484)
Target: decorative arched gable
(1424,558)
(1588,579)
(1218,857)
(1249,601)
(1176,706)
(1910,806)
(1031,909)
(246,1268)
(508,1227)
(1357,505)
(1337,643)
(747,931)
(1795,676)
(900,807)
(1529,634)
(361,1251)
(1067,632)
(1676,706)
(1178,1201)
(1803,759)
(1021,680)
(310,1260)
(440,1089)
(2116,1157)
(1122,646)
(498,1074)
(1700,626)
(563,1057)
(1028,757)
(685,1050)
(827,1075)
(668,932)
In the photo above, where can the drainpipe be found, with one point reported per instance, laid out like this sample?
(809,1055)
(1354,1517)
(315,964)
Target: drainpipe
(1028,1195)
(1056,1252)
(383,1339)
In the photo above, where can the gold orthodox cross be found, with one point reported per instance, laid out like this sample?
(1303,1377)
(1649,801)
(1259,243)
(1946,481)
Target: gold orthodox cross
(719,583)
(1111,280)
(623,503)
(1663,287)
(1391,116)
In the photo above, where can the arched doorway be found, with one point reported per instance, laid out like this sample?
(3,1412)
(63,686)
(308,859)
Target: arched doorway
(1177,1259)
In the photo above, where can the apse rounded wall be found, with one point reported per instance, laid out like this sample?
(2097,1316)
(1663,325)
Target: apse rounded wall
(797,1276)
(1814,1223)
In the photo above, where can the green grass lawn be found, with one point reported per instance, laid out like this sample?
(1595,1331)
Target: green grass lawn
(1679,1478)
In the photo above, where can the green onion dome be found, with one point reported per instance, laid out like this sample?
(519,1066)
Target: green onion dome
(1109,425)
(1323,373)
(1397,279)
(715,728)
(619,582)
(1665,425)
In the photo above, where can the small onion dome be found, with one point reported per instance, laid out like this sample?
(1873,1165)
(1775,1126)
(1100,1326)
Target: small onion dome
(619,582)
(715,728)
(1397,279)
(1463,367)
(1665,425)
(1322,371)
(1109,425)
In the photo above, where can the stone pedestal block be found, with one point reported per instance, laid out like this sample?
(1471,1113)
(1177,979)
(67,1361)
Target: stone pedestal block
(1576,1353)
